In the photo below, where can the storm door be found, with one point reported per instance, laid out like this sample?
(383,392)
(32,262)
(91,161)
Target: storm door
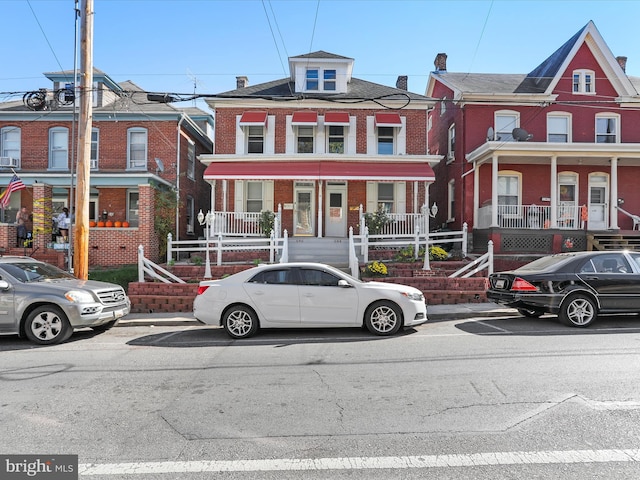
(597,202)
(336,210)
(303,208)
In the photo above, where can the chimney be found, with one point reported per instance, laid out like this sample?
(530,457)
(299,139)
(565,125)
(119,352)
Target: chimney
(242,82)
(403,82)
(441,62)
(622,61)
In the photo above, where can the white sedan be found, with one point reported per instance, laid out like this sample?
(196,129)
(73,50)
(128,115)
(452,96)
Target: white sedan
(305,295)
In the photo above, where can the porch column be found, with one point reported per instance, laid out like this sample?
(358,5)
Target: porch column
(613,203)
(554,192)
(494,191)
(476,194)
(224,195)
(320,209)
(213,196)
(416,208)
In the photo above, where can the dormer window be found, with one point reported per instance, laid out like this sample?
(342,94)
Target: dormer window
(329,80)
(584,82)
(312,79)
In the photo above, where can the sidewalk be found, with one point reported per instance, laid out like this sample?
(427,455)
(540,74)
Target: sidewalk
(434,313)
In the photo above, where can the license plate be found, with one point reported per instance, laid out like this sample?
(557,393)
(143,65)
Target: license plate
(500,283)
(118,314)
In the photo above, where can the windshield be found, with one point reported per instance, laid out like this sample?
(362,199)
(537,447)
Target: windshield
(27,272)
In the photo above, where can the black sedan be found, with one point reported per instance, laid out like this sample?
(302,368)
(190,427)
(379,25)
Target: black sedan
(576,286)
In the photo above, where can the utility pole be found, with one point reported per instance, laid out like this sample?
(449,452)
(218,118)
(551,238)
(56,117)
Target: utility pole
(81,232)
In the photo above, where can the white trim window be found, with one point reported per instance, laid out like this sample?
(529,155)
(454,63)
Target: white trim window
(329,80)
(505,121)
(335,139)
(254,198)
(191,160)
(607,128)
(253,195)
(137,145)
(190,215)
(389,196)
(584,82)
(255,139)
(559,128)
(10,144)
(311,79)
(95,148)
(133,205)
(59,148)
(509,192)
(386,140)
(451,141)
(305,139)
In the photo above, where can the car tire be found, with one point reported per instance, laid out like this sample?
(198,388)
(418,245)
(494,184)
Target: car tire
(526,312)
(383,318)
(47,325)
(578,311)
(240,321)
(104,327)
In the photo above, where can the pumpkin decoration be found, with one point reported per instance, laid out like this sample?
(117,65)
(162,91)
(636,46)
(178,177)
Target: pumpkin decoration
(117,224)
(125,224)
(108,223)
(92,223)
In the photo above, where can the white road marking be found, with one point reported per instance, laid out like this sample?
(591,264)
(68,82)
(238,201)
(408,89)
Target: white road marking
(362,463)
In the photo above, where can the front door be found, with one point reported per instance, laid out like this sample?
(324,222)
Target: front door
(303,195)
(336,210)
(597,202)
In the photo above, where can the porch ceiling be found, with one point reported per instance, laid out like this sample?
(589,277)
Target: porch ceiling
(324,170)
(628,154)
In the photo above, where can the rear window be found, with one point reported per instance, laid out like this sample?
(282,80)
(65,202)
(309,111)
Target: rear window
(545,263)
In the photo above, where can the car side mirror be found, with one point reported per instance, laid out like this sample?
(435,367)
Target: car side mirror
(4,285)
(343,283)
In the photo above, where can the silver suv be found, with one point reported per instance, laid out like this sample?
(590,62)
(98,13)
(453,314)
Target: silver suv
(46,304)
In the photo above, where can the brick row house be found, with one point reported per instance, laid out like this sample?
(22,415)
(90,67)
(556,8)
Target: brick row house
(538,162)
(140,151)
(317,147)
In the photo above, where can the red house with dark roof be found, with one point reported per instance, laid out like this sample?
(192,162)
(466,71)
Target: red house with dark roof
(539,162)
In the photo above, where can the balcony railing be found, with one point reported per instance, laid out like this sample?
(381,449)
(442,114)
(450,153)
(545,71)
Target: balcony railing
(533,217)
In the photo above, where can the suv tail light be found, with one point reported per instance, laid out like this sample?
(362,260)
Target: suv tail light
(521,285)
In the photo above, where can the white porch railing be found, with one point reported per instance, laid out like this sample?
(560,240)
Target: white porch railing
(153,270)
(479,264)
(242,224)
(532,217)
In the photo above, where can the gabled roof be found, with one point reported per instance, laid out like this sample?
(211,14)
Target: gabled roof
(322,54)
(543,79)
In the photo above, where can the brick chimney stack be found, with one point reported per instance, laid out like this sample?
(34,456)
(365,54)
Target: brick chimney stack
(441,62)
(622,61)
(242,82)
(403,82)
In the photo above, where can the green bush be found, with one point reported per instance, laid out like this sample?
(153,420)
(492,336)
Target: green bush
(120,275)
(375,222)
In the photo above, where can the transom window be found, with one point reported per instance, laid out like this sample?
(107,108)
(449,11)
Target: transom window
(606,129)
(255,139)
(558,128)
(305,139)
(336,139)
(584,81)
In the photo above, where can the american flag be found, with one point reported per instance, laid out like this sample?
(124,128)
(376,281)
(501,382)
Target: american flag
(14,185)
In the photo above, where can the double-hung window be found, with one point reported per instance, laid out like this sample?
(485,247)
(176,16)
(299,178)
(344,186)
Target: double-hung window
(558,128)
(10,145)
(255,139)
(59,148)
(312,79)
(329,80)
(607,129)
(452,143)
(336,139)
(191,160)
(505,122)
(133,198)
(305,139)
(584,82)
(386,197)
(95,143)
(386,136)
(508,193)
(137,149)
(254,197)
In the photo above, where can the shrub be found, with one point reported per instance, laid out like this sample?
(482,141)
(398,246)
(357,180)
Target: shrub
(438,253)
(407,254)
(376,269)
(267,222)
(375,222)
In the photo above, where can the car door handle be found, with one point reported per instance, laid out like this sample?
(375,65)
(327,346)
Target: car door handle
(592,278)
(308,295)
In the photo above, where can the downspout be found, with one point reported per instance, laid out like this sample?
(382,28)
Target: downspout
(182,118)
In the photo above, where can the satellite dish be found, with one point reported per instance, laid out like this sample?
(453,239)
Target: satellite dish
(521,135)
(490,134)
(160,165)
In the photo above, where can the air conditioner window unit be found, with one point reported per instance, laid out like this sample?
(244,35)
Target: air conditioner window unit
(8,162)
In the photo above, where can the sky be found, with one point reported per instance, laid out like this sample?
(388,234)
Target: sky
(201,46)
